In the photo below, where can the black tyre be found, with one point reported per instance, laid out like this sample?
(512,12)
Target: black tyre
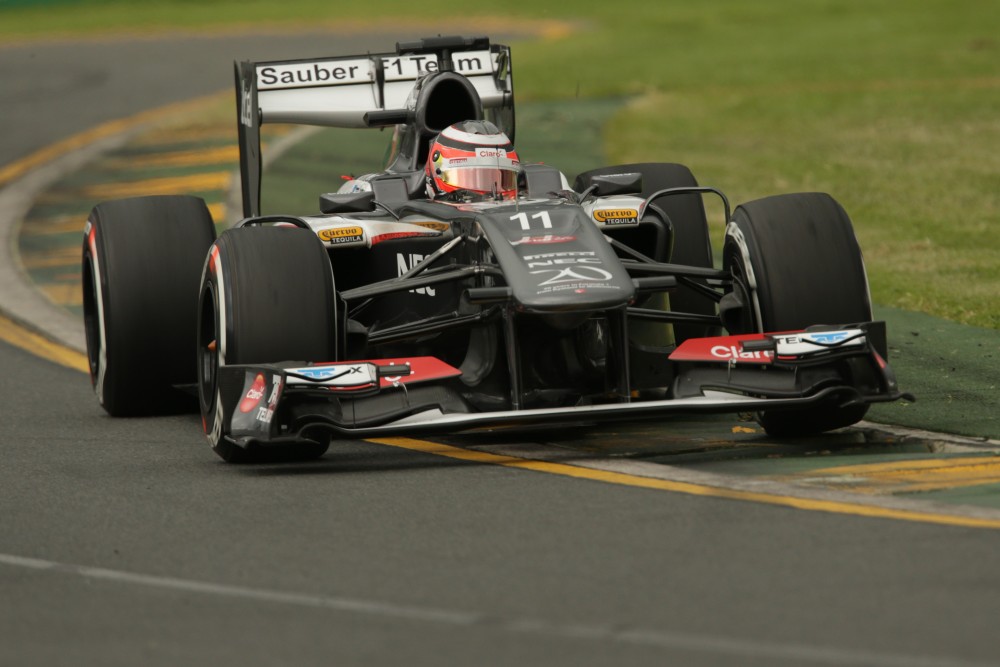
(796,263)
(267,296)
(142,260)
(692,245)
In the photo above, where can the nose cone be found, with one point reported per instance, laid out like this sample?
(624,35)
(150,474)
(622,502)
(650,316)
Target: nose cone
(555,259)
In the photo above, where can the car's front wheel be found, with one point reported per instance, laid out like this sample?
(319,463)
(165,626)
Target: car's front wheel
(795,263)
(267,296)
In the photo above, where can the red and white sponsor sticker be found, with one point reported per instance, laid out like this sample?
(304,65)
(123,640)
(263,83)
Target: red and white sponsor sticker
(787,344)
(254,395)
(722,348)
(543,240)
(483,151)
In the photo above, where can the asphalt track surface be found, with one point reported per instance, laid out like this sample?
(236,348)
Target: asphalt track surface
(127,542)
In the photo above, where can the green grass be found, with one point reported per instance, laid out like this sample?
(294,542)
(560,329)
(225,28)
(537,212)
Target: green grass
(889,105)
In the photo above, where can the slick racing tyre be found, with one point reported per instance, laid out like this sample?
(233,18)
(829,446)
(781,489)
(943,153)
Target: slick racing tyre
(692,245)
(267,296)
(796,263)
(142,260)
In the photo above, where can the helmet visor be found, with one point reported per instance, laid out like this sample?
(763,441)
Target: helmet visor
(480,179)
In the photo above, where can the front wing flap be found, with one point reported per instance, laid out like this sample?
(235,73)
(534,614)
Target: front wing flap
(275,404)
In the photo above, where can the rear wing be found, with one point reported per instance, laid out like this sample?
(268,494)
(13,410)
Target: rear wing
(371,90)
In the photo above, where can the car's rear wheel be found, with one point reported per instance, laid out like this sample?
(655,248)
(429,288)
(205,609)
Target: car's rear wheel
(267,296)
(692,245)
(796,263)
(141,265)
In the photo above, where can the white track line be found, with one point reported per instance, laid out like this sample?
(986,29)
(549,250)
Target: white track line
(700,643)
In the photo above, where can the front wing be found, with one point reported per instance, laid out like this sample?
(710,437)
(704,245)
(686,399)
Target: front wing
(275,404)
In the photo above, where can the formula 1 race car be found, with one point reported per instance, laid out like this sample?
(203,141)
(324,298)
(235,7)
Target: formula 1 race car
(402,308)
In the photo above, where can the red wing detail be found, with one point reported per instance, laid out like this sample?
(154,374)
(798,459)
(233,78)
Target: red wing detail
(422,369)
(722,349)
(391,236)
(254,395)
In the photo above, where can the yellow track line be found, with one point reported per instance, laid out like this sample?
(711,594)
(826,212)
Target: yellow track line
(171,136)
(153,186)
(64,293)
(27,340)
(224,156)
(835,507)
(59,224)
(894,477)
(56,258)
(20,167)
(916,466)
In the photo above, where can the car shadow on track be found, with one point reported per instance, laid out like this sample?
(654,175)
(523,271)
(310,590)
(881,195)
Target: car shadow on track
(349,457)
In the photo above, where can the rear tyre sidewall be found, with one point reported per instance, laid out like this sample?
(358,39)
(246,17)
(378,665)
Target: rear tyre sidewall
(267,296)
(140,271)
(692,245)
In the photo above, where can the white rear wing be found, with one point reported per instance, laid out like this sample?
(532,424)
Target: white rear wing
(370,90)
(339,92)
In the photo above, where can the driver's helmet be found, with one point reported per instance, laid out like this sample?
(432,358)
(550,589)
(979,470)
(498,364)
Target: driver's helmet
(473,155)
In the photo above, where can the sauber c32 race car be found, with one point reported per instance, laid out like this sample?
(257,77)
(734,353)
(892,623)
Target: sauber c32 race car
(396,310)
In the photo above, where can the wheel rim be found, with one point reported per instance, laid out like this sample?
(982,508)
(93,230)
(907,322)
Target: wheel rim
(91,319)
(208,351)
